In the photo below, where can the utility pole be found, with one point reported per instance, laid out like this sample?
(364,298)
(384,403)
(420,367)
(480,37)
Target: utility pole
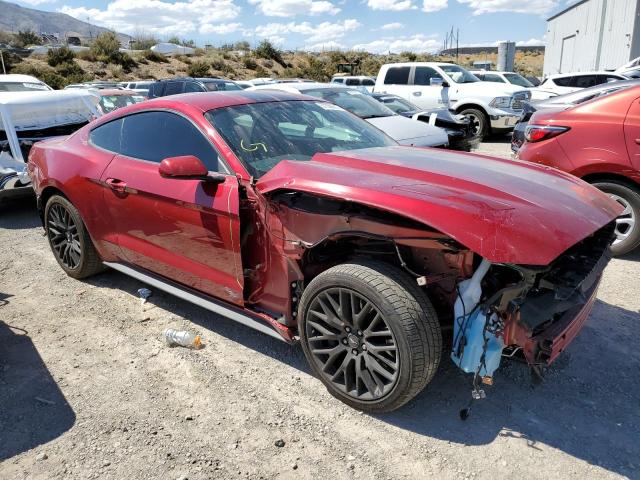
(4,70)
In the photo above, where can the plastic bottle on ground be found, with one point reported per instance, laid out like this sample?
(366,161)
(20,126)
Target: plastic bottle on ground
(183,338)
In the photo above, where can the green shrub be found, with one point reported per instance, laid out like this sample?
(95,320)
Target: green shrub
(56,56)
(260,72)
(46,74)
(198,69)
(154,56)
(249,63)
(267,50)
(143,43)
(28,37)
(86,55)
(106,48)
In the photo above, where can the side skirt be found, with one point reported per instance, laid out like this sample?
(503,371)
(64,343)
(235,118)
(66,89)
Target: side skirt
(253,321)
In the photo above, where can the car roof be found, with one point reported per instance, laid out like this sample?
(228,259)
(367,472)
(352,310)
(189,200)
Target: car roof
(418,64)
(300,87)
(205,101)
(14,77)
(592,72)
(585,92)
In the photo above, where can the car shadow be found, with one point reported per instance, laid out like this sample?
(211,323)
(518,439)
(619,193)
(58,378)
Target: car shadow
(19,214)
(585,407)
(33,410)
(633,256)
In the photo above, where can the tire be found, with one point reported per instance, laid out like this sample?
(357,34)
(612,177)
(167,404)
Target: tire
(69,239)
(398,331)
(627,224)
(479,122)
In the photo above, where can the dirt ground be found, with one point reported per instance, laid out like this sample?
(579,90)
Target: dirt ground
(89,390)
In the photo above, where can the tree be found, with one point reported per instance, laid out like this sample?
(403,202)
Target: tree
(106,48)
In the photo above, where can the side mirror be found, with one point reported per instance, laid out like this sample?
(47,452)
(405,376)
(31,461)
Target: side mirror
(187,167)
(437,82)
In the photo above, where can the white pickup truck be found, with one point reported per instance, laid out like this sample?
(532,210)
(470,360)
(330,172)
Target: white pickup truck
(492,107)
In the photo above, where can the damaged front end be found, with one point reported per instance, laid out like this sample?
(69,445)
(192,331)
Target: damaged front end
(529,310)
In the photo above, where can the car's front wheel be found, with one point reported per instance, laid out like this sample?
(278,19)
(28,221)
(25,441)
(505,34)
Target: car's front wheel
(69,239)
(479,123)
(370,334)
(628,223)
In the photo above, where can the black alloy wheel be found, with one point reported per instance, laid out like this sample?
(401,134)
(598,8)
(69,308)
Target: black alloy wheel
(352,343)
(63,236)
(69,239)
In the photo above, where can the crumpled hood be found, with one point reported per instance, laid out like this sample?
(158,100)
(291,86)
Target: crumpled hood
(507,211)
(410,132)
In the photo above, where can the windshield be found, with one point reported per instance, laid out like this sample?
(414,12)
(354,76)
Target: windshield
(22,87)
(397,104)
(358,103)
(518,80)
(224,86)
(109,103)
(459,74)
(263,134)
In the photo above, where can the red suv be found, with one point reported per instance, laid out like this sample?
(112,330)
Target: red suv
(598,141)
(297,218)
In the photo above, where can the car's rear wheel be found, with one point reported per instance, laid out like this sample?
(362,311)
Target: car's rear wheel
(628,223)
(479,123)
(69,239)
(370,334)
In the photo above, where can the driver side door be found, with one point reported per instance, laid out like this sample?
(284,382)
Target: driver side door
(183,229)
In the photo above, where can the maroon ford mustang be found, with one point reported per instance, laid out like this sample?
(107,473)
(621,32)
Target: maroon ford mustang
(294,217)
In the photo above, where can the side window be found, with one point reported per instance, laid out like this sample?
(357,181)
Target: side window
(585,81)
(563,81)
(480,76)
(107,136)
(173,88)
(132,85)
(608,79)
(492,77)
(367,82)
(338,80)
(423,75)
(352,81)
(397,76)
(192,87)
(154,136)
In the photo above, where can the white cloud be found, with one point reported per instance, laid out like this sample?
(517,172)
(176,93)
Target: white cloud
(220,29)
(532,42)
(158,16)
(394,5)
(434,5)
(315,33)
(539,7)
(392,26)
(325,46)
(414,43)
(291,8)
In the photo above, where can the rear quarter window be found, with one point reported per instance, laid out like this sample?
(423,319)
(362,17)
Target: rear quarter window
(107,136)
(397,76)
(563,81)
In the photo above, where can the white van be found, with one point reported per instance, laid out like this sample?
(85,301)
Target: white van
(354,81)
(492,107)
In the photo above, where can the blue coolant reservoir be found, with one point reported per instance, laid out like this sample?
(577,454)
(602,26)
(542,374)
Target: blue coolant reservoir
(468,345)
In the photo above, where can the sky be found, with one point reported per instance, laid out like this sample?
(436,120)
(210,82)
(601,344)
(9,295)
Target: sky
(377,26)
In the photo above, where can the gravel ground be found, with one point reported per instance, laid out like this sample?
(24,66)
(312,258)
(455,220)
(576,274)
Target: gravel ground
(88,390)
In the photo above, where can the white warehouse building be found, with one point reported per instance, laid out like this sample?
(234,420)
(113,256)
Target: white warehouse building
(592,35)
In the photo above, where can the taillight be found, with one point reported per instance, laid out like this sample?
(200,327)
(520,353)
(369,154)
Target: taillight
(538,133)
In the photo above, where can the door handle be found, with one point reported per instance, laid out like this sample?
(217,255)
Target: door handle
(417,94)
(116,185)
(638,141)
